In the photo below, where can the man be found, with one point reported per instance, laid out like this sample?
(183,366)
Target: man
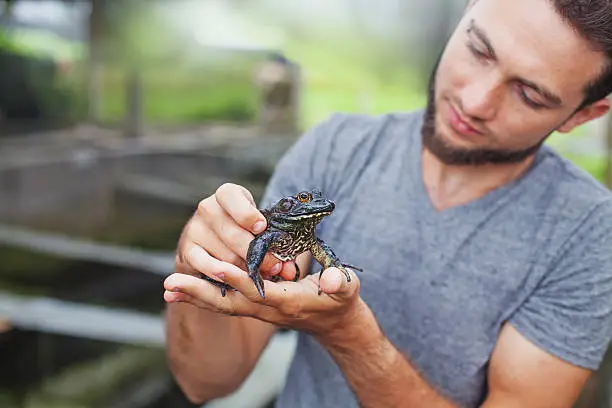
(487,257)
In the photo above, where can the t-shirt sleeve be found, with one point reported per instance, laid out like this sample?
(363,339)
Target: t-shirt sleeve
(308,164)
(570,313)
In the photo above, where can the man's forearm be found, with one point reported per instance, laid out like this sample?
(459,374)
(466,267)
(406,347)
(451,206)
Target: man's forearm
(207,352)
(379,375)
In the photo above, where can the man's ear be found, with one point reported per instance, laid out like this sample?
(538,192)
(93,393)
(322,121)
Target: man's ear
(586,114)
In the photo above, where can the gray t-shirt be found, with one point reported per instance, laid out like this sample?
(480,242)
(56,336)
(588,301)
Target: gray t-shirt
(536,253)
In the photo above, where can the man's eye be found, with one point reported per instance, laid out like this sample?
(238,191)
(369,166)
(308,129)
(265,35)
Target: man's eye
(529,101)
(477,52)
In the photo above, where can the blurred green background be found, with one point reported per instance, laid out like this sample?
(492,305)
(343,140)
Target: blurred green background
(201,69)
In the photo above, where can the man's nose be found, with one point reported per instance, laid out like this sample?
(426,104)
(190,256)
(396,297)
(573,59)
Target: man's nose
(481,98)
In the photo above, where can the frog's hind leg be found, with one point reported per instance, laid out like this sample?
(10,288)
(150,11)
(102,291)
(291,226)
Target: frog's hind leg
(326,257)
(223,286)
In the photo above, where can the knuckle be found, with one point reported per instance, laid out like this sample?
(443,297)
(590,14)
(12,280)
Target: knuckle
(227,308)
(268,262)
(183,262)
(224,308)
(234,259)
(253,296)
(231,235)
(225,188)
(246,218)
(204,206)
(180,264)
(291,309)
(197,263)
(178,258)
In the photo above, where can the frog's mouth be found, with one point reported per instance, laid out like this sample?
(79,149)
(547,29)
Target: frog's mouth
(319,211)
(318,214)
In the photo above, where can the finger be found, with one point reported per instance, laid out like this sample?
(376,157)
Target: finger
(238,203)
(333,281)
(179,297)
(189,289)
(276,269)
(236,238)
(225,272)
(198,259)
(288,271)
(206,238)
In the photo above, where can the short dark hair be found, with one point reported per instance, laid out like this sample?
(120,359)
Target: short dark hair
(592,19)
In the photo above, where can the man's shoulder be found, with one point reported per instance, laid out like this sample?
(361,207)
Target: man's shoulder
(575,189)
(580,210)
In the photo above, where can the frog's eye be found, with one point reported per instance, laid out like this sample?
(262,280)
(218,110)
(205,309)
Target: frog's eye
(286,205)
(304,197)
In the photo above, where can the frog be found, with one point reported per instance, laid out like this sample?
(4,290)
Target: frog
(290,231)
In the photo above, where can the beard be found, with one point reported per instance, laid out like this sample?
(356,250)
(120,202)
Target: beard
(452,155)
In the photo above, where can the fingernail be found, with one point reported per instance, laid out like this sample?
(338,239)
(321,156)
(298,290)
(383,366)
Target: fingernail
(220,275)
(259,226)
(170,297)
(276,269)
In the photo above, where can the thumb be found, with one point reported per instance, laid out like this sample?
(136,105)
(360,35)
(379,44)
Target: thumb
(335,282)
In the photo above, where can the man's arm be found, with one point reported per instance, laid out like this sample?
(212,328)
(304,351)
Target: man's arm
(523,375)
(211,354)
(520,375)
(377,372)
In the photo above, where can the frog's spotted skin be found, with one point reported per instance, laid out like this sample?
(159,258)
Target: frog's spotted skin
(291,231)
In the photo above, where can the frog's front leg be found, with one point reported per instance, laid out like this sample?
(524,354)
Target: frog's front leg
(326,257)
(255,255)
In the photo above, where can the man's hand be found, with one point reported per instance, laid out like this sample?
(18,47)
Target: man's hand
(216,239)
(215,243)
(294,305)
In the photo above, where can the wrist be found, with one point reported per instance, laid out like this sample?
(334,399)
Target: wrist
(358,331)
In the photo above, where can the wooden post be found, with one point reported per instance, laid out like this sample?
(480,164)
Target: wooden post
(7,12)
(133,62)
(609,151)
(279,81)
(97,28)
(133,93)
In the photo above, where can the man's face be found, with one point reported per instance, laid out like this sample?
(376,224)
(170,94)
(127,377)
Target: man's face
(512,73)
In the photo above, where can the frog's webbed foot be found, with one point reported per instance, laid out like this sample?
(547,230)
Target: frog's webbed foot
(255,255)
(224,286)
(342,267)
(327,259)
(351,267)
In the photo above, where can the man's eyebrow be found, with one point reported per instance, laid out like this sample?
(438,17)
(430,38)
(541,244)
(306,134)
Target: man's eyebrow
(551,97)
(472,28)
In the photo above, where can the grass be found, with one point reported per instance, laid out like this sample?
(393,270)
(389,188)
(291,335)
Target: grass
(351,82)
(180,96)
